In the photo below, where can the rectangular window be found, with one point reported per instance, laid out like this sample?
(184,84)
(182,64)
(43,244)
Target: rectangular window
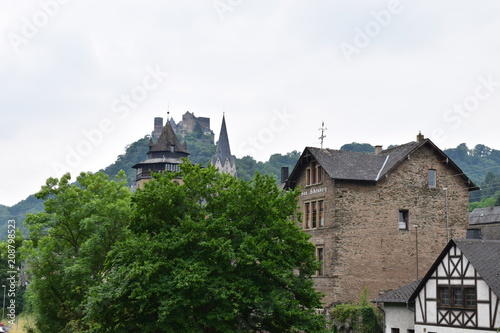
(431,178)
(321,214)
(394,330)
(457,297)
(320,257)
(444,296)
(307,215)
(470,297)
(410,331)
(403,219)
(314,214)
(313,172)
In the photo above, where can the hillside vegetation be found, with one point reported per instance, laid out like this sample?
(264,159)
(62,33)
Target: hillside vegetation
(481,164)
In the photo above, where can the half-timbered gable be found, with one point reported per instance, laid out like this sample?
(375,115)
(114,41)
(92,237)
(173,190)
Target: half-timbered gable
(461,290)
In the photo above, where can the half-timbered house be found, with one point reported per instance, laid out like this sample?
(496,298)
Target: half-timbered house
(459,293)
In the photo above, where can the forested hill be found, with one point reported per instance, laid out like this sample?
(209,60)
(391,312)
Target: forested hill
(481,164)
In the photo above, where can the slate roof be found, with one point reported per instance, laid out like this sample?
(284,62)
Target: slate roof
(348,165)
(483,255)
(223,151)
(166,140)
(400,295)
(160,151)
(485,215)
(161,160)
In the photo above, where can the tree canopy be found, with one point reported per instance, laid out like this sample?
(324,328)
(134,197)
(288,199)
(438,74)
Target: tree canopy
(213,254)
(69,242)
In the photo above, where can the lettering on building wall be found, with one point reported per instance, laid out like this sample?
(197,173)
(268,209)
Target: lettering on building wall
(314,191)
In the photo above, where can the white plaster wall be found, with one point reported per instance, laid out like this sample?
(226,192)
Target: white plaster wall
(441,329)
(398,316)
(483,291)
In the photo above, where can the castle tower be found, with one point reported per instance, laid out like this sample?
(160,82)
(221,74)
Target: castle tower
(158,128)
(163,155)
(223,160)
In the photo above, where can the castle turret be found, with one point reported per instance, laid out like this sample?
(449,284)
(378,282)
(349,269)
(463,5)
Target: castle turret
(163,155)
(223,160)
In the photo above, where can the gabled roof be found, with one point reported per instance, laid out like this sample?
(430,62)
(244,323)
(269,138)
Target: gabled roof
(348,165)
(483,255)
(223,151)
(400,295)
(485,215)
(166,140)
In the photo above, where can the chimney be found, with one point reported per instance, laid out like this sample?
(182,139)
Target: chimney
(378,149)
(420,137)
(284,174)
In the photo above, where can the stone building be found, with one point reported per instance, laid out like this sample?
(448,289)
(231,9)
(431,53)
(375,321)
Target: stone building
(223,160)
(484,223)
(164,155)
(364,212)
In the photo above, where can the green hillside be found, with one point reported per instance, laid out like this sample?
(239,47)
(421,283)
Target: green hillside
(481,164)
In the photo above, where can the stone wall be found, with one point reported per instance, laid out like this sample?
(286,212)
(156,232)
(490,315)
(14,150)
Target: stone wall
(363,246)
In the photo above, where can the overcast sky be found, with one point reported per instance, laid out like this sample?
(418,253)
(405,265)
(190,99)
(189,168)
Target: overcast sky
(82,79)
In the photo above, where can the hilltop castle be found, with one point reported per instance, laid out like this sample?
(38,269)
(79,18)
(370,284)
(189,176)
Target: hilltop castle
(166,151)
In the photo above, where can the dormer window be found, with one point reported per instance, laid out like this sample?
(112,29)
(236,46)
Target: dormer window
(172,148)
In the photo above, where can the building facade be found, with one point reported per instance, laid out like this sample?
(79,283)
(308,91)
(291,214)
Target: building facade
(364,213)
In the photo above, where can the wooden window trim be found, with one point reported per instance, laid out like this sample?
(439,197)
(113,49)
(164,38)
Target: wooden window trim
(314,214)
(463,290)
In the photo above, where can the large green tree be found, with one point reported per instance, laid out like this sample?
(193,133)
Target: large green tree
(216,254)
(69,242)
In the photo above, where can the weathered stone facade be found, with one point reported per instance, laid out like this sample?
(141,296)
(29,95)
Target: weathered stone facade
(361,242)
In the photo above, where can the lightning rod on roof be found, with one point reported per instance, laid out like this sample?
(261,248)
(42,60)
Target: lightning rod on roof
(322,129)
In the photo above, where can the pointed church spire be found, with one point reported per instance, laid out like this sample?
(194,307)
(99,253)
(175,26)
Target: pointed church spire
(223,160)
